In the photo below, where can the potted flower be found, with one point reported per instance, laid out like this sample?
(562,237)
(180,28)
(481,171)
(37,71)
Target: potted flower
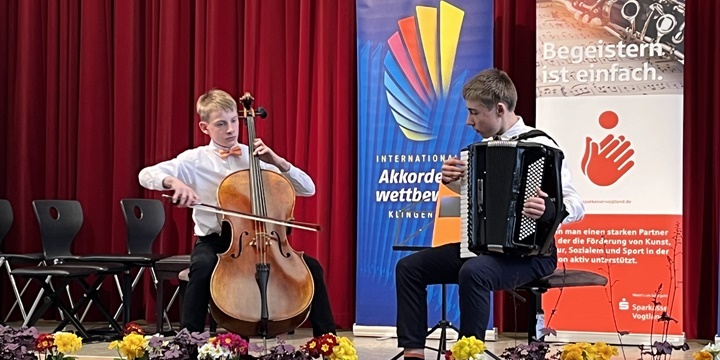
(17,344)
(58,346)
(466,348)
(587,351)
(135,345)
(332,347)
(224,346)
(709,352)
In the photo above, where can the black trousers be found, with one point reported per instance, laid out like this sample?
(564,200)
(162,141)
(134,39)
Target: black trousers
(477,277)
(197,295)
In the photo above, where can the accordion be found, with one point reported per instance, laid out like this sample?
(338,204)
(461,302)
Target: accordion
(500,176)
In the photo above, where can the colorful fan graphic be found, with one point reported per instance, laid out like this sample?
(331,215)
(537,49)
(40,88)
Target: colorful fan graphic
(419,66)
(413,58)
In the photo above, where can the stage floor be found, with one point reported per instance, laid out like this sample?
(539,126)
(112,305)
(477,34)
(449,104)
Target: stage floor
(367,347)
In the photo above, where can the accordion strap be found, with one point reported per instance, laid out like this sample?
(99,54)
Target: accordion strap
(534,133)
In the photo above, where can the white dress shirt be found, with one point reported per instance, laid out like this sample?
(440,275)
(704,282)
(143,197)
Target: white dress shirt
(202,169)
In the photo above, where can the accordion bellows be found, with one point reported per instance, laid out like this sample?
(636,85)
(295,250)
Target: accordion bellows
(501,175)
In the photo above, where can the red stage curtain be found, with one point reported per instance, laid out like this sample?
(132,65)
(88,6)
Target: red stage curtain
(701,173)
(92,91)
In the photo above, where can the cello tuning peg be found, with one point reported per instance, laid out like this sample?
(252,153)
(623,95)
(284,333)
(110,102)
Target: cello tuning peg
(261,112)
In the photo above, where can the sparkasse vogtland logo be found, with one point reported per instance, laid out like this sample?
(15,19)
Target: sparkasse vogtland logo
(606,161)
(419,66)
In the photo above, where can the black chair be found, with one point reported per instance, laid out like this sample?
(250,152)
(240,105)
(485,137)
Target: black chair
(60,221)
(8,259)
(57,242)
(144,219)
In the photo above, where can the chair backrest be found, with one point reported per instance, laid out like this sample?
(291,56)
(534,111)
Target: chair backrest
(60,221)
(6,218)
(144,218)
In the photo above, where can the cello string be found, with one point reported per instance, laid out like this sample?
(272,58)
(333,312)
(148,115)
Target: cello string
(257,194)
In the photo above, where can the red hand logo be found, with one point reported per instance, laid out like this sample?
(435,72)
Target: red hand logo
(608,161)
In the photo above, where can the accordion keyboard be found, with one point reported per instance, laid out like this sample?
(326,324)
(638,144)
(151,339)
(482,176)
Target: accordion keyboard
(464,210)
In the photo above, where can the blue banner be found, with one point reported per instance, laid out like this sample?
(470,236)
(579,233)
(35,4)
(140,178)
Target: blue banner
(414,56)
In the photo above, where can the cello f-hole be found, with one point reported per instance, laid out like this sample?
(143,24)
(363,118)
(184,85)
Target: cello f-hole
(280,247)
(239,251)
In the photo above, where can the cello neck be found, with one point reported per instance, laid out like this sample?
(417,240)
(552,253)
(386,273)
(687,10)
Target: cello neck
(256,187)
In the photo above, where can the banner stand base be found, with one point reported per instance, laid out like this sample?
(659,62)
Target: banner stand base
(389,332)
(611,338)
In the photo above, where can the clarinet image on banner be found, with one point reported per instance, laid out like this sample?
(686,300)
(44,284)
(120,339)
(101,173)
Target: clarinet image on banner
(607,47)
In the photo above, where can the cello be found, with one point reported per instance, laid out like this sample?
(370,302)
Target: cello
(260,286)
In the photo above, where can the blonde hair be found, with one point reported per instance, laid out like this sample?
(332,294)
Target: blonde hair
(214,100)
(490,87)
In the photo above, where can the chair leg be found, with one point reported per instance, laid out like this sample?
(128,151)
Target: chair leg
(87,308)
(126,287)
(35,304)
(180,294)
(134,283)
(18,295)
(534,310)
(213,323)
(90,296)
(127,296)
(51,297)
(155,283)
(159,310)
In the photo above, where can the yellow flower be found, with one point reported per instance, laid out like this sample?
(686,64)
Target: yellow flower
(571,352)
(132,346)
(467,348)
(702,355)
(67,343)
(587,351)
(574,355)
(344,350)
(605,351)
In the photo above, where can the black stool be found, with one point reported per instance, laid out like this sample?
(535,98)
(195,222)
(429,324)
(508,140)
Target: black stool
(184,277)
(167,269)
(561,278)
